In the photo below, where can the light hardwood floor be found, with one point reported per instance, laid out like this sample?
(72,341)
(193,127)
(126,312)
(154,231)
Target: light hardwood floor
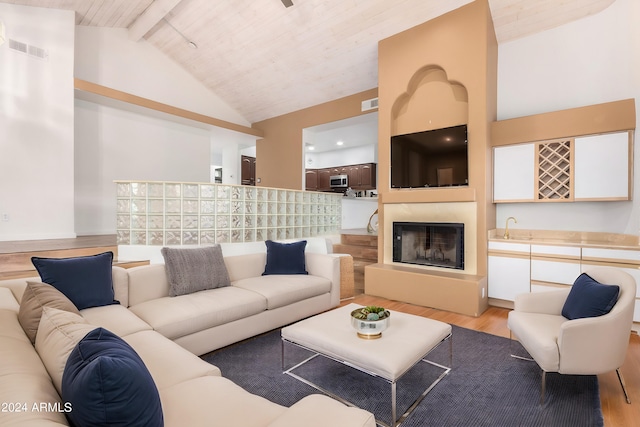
(616,412)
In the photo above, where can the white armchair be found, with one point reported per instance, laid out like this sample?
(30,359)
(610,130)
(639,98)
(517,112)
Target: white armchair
(586,346)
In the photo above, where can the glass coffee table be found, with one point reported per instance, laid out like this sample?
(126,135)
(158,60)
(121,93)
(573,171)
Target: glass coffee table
(407,342)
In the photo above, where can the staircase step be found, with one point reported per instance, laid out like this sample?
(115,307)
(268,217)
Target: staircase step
(357,252)
(363,247)
(359,239)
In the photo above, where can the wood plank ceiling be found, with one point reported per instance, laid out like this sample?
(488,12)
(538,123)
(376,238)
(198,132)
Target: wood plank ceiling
(265,60)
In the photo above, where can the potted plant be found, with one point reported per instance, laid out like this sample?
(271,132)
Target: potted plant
(370,321)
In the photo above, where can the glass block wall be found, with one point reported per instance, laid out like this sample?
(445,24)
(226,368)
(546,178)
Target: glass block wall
(180,213)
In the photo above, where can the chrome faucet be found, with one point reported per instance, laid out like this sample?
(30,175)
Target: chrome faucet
(506,227)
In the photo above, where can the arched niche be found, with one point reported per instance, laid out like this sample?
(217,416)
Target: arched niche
(431,101)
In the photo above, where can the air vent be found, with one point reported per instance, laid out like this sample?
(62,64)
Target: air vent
(370,104)
(38,52)
(35,51)
(19,46)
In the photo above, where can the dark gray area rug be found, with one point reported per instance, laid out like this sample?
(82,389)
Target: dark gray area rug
(486,387)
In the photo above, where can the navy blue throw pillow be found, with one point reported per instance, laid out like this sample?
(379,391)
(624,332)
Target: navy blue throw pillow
(285,258)
(87,281)
(107,384)
(589,298)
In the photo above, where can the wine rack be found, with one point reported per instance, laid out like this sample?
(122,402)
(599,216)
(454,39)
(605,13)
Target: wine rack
(554,170)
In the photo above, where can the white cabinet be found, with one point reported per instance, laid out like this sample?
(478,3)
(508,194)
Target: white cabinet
(592,167)
(552,266)
(515,268)
(625,260)
(633,270)
(514,173)
(601,167)
(562,272)
(622,256)
(508,270)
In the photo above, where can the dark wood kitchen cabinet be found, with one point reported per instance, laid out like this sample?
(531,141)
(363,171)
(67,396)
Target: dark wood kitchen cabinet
(367,173)
(353,172)
(248,170)
(323,179)
(311,179)
(361,177)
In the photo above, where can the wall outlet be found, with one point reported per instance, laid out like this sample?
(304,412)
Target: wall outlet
(5,217)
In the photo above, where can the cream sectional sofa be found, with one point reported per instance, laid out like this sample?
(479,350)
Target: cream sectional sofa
(208,320)
(192,392)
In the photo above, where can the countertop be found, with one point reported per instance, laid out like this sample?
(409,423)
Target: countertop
(567,238)
(359,199)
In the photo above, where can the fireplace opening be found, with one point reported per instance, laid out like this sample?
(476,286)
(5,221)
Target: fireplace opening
(438,244)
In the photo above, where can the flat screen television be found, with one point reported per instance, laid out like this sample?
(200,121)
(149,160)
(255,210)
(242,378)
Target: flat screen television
(432,158)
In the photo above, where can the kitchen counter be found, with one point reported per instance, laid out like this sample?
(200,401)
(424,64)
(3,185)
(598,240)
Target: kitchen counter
(363,199)
(568,238)
(544,260)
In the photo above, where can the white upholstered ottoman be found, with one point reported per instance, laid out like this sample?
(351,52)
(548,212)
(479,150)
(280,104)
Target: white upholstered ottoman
(407,341)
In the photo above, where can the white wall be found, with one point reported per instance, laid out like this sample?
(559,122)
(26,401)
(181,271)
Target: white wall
(107,57)
(248,151)
(53,188)
(116,144)
(231,172)
(590,61)
(36,126)
(356,212)
(112,144)
(348,156)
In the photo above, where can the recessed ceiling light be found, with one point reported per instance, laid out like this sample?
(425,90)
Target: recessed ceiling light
(339,143)
(311,148)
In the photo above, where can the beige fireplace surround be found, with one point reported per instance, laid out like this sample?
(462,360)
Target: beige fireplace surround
(438,74)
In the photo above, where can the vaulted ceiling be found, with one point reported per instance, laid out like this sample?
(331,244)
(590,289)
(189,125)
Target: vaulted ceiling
(265,59)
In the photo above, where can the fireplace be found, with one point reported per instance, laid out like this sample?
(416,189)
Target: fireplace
(438,244)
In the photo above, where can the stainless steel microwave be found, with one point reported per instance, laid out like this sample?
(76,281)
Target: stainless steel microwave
(337,181)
